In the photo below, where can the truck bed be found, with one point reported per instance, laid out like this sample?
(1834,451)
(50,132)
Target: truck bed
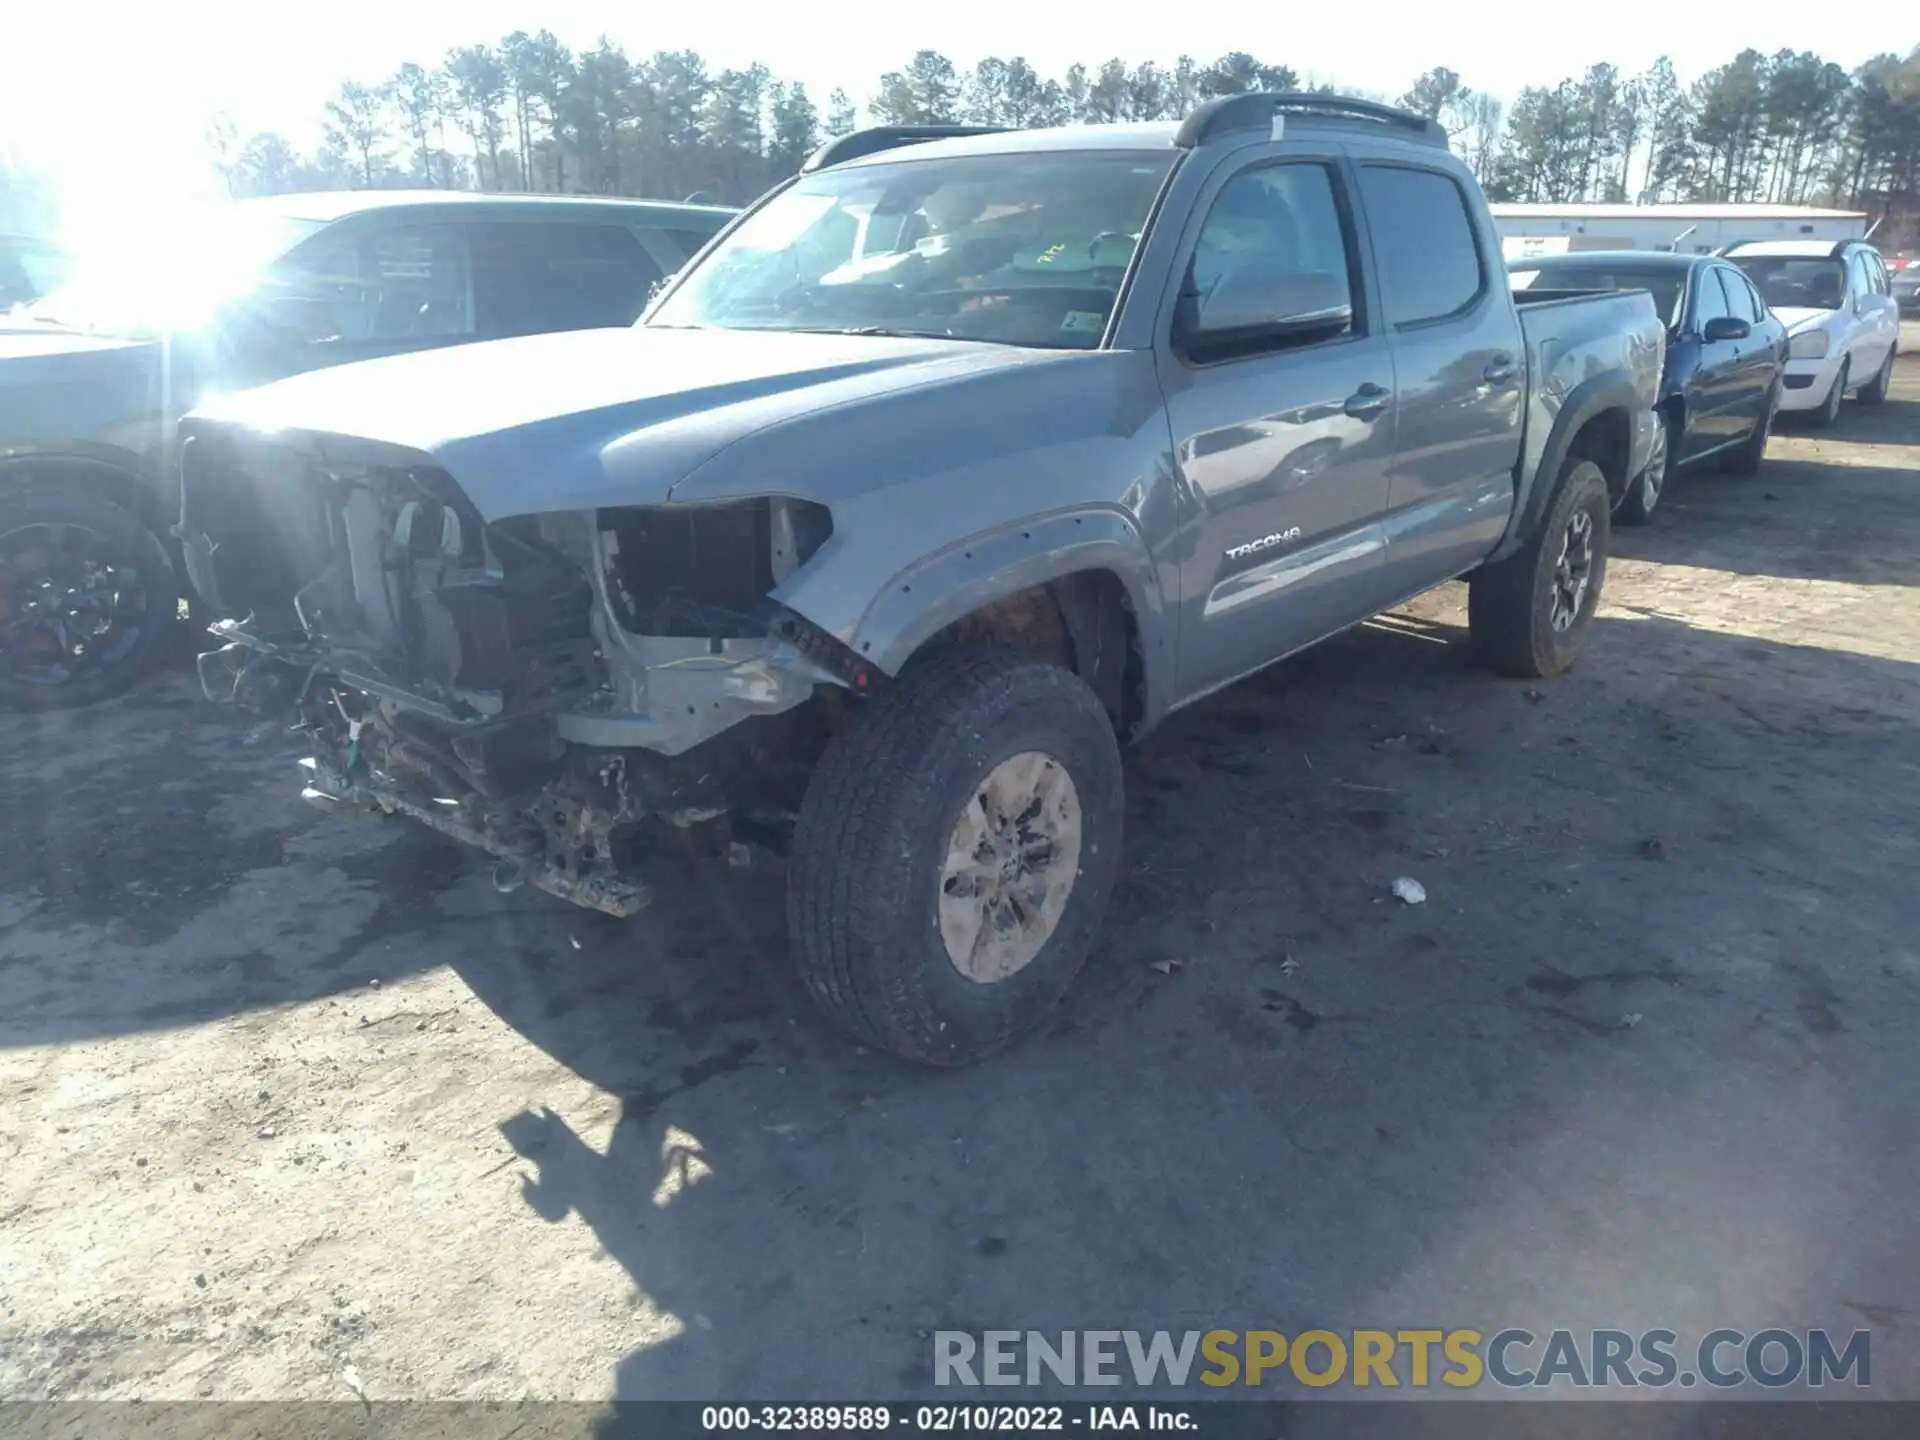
(1571,335)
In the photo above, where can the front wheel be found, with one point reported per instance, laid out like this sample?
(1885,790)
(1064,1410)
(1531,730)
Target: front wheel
(1645,493)
(88,599)
(1528,613)
(955,853)
(1746,458)
(1829,410)
(1874,392)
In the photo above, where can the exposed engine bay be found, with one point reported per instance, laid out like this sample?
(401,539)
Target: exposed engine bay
(539,687)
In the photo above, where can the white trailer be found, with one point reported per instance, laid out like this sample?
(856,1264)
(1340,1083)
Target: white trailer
(1539,229)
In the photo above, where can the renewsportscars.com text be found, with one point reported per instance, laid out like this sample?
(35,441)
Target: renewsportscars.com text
(1413,1359)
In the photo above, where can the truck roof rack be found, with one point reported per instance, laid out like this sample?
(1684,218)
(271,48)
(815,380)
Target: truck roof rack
(1257,110)
(885,137)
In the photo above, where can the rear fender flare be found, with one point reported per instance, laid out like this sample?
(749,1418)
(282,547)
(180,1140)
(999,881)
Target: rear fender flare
(1609,390)
(932,593)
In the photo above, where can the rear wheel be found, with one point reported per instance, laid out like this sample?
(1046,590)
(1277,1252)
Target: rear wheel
(1645,493)
(88,599)
(1874,392)
(955,853)
(1829,410)
(1529,612)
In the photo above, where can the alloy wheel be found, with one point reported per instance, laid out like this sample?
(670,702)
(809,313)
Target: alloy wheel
(1573,570)
(1011,864)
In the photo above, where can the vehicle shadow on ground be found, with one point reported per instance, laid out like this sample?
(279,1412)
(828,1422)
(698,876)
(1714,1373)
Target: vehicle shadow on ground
(1895,422)
(1778,523)
(158,868)
(1682,849)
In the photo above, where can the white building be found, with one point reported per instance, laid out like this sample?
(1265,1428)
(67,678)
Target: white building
(1554,229)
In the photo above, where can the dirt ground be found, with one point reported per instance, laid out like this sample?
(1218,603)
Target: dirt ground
(292,1107)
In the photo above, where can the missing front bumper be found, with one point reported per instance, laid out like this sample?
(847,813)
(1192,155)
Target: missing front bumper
(337,793)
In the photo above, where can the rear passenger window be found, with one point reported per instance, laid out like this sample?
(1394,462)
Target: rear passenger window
(1423,243)
(1283,221)
(536,276)
(406,282)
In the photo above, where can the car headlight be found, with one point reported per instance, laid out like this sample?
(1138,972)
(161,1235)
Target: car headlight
(1809,345)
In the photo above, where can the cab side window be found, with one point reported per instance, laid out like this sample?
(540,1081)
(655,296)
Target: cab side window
(1423,242)
(1859,278)
(1280,229)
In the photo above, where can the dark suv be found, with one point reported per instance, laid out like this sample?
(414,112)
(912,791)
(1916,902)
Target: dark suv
(94,375)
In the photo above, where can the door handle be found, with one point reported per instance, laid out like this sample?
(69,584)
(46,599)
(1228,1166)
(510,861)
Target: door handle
(1366,402)
(1499,370)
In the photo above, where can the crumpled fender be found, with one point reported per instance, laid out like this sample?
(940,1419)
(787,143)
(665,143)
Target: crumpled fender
(932,593)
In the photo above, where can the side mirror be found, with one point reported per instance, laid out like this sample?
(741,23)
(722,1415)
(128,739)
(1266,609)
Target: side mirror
(1725,327)
(1255,304)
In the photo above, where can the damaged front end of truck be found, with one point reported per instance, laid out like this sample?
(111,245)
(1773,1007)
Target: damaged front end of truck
(541,687)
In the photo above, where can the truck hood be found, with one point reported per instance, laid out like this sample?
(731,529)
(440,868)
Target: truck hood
(597,418)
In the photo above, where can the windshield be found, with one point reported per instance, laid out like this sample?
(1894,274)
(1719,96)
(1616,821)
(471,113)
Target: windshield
(1013,249)
(1667,285)
(159,280)
(1796,282)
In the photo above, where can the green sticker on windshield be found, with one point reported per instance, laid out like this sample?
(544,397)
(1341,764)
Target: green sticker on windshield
(1080,321)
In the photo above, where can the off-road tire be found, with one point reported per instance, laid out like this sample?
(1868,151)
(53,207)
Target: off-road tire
(1745,458)
(865,873)
(128,537)
(1874,392)
(1639,504)
(1510,604)
(1829,410)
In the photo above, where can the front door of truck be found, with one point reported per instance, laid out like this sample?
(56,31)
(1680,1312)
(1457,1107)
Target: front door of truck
(1283,433)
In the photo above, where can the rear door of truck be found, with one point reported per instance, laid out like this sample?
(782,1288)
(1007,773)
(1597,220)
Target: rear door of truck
(1459,358)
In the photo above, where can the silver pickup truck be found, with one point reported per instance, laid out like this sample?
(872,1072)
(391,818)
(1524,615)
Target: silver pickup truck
(949,467)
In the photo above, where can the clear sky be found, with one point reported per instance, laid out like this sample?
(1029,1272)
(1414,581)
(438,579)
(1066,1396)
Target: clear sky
(119,96)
